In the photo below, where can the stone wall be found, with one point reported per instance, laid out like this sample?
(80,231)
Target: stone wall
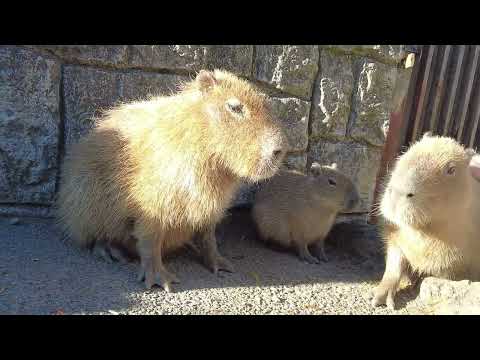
(333,100)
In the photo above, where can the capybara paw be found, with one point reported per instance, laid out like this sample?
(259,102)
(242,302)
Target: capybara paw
(318,250)
(103,253)
(320,255)
(308,258)
(163,278)
(218,262)
(384,296)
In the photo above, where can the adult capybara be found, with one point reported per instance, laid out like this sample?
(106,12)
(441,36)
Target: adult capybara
(154,173)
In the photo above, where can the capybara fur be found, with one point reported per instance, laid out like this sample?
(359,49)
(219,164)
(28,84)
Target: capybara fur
(155,173)
(297,211)
(430,222)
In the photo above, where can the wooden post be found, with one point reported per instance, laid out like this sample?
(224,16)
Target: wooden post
(404,86)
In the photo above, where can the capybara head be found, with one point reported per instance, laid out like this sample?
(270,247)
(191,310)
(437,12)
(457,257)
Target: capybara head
(429,184)
(338,191)
(245,137)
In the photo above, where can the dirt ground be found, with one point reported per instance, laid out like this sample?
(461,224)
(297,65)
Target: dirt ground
(41,274)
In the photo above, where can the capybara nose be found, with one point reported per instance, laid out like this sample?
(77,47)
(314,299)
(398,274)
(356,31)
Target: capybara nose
(396,193)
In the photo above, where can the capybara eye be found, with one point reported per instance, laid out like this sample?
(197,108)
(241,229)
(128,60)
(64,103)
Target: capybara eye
(451,170)
(332,182)
(235,106)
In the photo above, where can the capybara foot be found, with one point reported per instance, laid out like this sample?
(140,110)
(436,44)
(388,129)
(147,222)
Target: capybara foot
(384,295)
(305,255)
(103,252)
(160,277)
(217,262)
(319,252)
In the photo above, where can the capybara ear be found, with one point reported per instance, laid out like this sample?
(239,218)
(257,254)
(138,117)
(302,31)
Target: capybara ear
(427,135)
(471,153)
(474,167)
(205,81)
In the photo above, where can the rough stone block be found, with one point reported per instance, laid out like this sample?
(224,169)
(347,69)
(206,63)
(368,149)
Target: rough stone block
(389,54)
(372,102)
(332,96)
(293,114)
(170,57)
(113,55)
(89,91)
(289,68)
(137,85)
(447,297)
(27,211)
(29,126)
(235,58)
(86,93)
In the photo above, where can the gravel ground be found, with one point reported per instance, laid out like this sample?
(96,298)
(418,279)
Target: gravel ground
(41,274)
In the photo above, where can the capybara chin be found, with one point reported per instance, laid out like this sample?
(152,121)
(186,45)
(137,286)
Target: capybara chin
(297,211)
(430,212)
(173,165)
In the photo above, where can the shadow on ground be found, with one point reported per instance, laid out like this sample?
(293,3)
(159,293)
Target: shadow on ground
(40,274)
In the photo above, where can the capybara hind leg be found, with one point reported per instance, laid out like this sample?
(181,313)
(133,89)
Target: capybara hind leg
(211,257)
(118,255)
(152,270)
(318,249)
(396,265)
(304,254)
(102,251)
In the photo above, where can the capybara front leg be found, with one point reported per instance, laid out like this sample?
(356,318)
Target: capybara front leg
(152,269)
(304,254)
(395,268)
(212,258)
(318,249)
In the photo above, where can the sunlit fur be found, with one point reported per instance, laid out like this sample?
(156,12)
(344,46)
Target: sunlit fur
(437,228)
(292,208)
(173,164)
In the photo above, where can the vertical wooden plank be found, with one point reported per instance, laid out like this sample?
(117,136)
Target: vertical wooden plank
(410,100)
(453,92)
(426,84)
(402,103)
(470,78)
(476,115)
(440,89)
